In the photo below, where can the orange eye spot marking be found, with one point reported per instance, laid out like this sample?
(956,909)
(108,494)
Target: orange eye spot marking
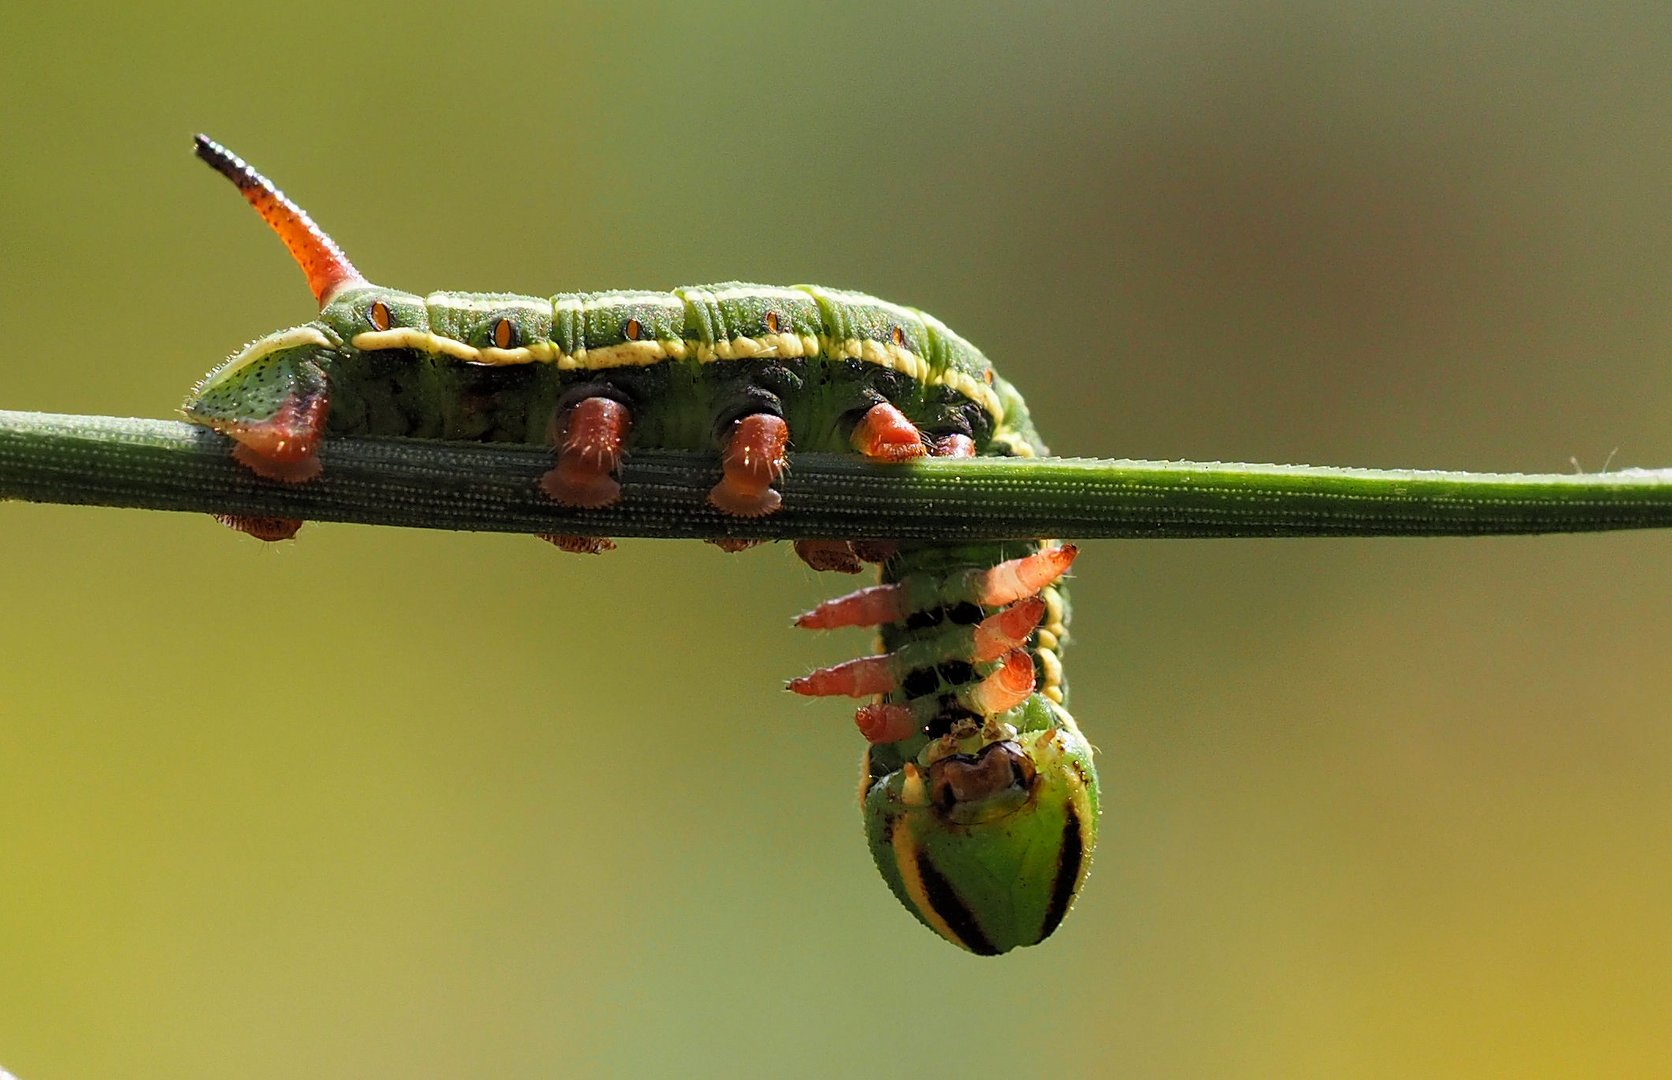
(378,315)
(898,336)
(504,334)
(772,321)
(632,330)
(988,376)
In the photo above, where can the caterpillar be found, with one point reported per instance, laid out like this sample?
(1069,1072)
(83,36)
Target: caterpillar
(978,791)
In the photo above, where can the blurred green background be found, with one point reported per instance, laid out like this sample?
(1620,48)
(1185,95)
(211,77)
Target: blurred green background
(395,803)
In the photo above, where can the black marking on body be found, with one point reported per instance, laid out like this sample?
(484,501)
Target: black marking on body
(947,713)
(1068,873)
(923,620)
(956,672)
(945,902)
(920,683)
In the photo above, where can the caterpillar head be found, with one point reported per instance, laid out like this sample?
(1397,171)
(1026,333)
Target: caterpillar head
(987,838)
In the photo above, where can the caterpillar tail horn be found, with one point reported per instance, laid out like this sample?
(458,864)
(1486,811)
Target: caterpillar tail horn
(327,268)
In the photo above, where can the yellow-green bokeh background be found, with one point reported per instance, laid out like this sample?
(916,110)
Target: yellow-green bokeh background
(390,803)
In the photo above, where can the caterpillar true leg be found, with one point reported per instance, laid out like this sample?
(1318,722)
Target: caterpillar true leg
(854,678)
(1015,578)
(870,606)
(882,723)
(1002,631)
(1004,689)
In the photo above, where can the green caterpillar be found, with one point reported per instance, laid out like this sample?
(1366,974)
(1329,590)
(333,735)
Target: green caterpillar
(979,793)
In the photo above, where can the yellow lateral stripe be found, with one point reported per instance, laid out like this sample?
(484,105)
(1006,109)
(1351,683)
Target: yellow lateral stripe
(905,860)
(644,353)
(543,352)
(626,354)
(1053,610)
(1049,640)
(1081,798)
(766,347)
(1051,671)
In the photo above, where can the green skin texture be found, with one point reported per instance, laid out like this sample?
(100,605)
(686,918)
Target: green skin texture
(1005,868)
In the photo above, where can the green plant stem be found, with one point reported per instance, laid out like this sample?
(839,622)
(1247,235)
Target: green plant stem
(164,465)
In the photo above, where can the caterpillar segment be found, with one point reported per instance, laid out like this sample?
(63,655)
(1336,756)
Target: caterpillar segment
(979,794)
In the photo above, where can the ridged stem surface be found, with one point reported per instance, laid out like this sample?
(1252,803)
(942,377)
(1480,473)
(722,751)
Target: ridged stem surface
(166,465)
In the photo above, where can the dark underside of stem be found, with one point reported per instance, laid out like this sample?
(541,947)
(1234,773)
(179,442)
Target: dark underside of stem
(164,465)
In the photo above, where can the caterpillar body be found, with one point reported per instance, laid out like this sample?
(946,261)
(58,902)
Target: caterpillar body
(978,790)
